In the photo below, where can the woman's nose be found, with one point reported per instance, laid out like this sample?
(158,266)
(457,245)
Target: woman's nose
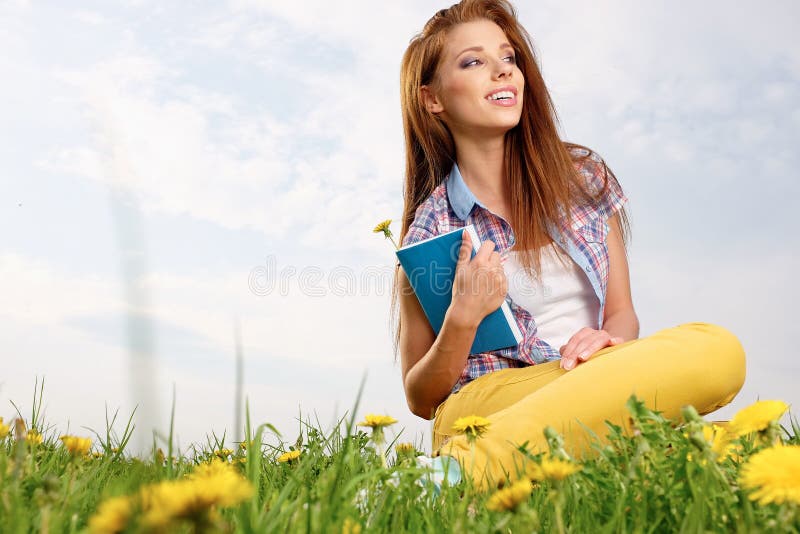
(503,68)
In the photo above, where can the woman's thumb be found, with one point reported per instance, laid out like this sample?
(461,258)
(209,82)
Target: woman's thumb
(466,247)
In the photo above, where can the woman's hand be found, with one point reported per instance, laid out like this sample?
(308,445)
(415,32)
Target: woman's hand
(480,284)
(583,344)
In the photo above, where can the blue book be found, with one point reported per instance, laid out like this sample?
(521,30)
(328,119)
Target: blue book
(430,266)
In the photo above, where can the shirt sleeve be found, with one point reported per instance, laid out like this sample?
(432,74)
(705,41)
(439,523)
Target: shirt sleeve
(416,233)
(424,225)
(613,198)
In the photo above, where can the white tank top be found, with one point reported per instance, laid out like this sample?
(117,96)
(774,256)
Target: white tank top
(561,301)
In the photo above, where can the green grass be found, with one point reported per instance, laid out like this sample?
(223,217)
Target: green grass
(664,478)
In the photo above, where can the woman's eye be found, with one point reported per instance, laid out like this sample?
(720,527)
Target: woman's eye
(476,60)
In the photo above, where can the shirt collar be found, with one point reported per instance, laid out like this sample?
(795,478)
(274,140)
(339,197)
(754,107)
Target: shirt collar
(463,200)
(459,195)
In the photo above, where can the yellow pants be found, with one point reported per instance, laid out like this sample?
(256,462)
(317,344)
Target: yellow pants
(694,363)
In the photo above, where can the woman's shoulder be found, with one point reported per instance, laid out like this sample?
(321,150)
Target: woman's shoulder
(600,181)
(427,216)
(430,209)
(593,167)
(586,160)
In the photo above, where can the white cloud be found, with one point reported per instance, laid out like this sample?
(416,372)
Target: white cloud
(38,294)
(92,18)
(239,172)
(696,93)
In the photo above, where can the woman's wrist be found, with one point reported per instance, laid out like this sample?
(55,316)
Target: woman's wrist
(460,318)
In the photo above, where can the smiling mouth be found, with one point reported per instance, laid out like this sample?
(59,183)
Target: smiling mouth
(502,95)
(503,99)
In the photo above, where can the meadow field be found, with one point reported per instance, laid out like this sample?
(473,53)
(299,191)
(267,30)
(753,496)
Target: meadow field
(665,476)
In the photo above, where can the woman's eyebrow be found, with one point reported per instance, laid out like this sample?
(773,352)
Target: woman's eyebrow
(480,48)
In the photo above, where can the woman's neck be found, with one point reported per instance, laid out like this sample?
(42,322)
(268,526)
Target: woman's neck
(482,167)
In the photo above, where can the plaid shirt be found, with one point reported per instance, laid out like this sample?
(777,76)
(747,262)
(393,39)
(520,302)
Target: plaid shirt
(452,205)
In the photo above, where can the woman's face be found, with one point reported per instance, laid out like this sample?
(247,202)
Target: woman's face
(477,65)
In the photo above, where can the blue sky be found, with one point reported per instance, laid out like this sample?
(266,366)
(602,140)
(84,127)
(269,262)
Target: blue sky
(196,143)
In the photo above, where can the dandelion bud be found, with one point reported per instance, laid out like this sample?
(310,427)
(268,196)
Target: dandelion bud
(698,439)
(690,414)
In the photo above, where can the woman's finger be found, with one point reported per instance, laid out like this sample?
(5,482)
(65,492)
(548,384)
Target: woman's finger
(569,350)
(584,353)
(463,252)
(582,346)
(596,343)
(485,250)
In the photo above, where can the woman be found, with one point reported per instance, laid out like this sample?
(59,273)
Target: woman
(482,148)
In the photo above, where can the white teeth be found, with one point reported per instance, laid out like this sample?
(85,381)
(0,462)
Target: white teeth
(500,94)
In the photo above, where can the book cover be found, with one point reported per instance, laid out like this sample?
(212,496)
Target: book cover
(430,266)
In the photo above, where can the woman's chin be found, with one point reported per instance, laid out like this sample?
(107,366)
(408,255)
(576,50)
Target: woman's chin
(491,128)
(502,127)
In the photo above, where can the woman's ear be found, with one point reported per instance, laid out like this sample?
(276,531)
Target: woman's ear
(429,100)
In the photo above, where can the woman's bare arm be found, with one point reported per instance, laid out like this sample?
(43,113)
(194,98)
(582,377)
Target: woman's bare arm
(430,364)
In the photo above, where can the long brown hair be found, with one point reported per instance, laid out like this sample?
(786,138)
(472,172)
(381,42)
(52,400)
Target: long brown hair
(539,170)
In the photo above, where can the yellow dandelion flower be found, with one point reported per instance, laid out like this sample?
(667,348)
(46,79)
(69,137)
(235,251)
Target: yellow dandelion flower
(774,474)
(533,471)
(472,426)
(720,441)
(76,446)
(405,448)
(351,527)
(289,456)
(4,429)
(223,453)
(757,417)
(552,469)
(383,227)
(208,469)
(511,497)
(167,501)
(377,421)
(220,484)
(111,517)
(209,485)
(97,454)
(33,437)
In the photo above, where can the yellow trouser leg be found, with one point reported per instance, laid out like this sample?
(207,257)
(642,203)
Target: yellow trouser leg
(700,364)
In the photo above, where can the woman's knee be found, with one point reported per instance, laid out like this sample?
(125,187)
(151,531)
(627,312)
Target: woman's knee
(725,341)
(727,355)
